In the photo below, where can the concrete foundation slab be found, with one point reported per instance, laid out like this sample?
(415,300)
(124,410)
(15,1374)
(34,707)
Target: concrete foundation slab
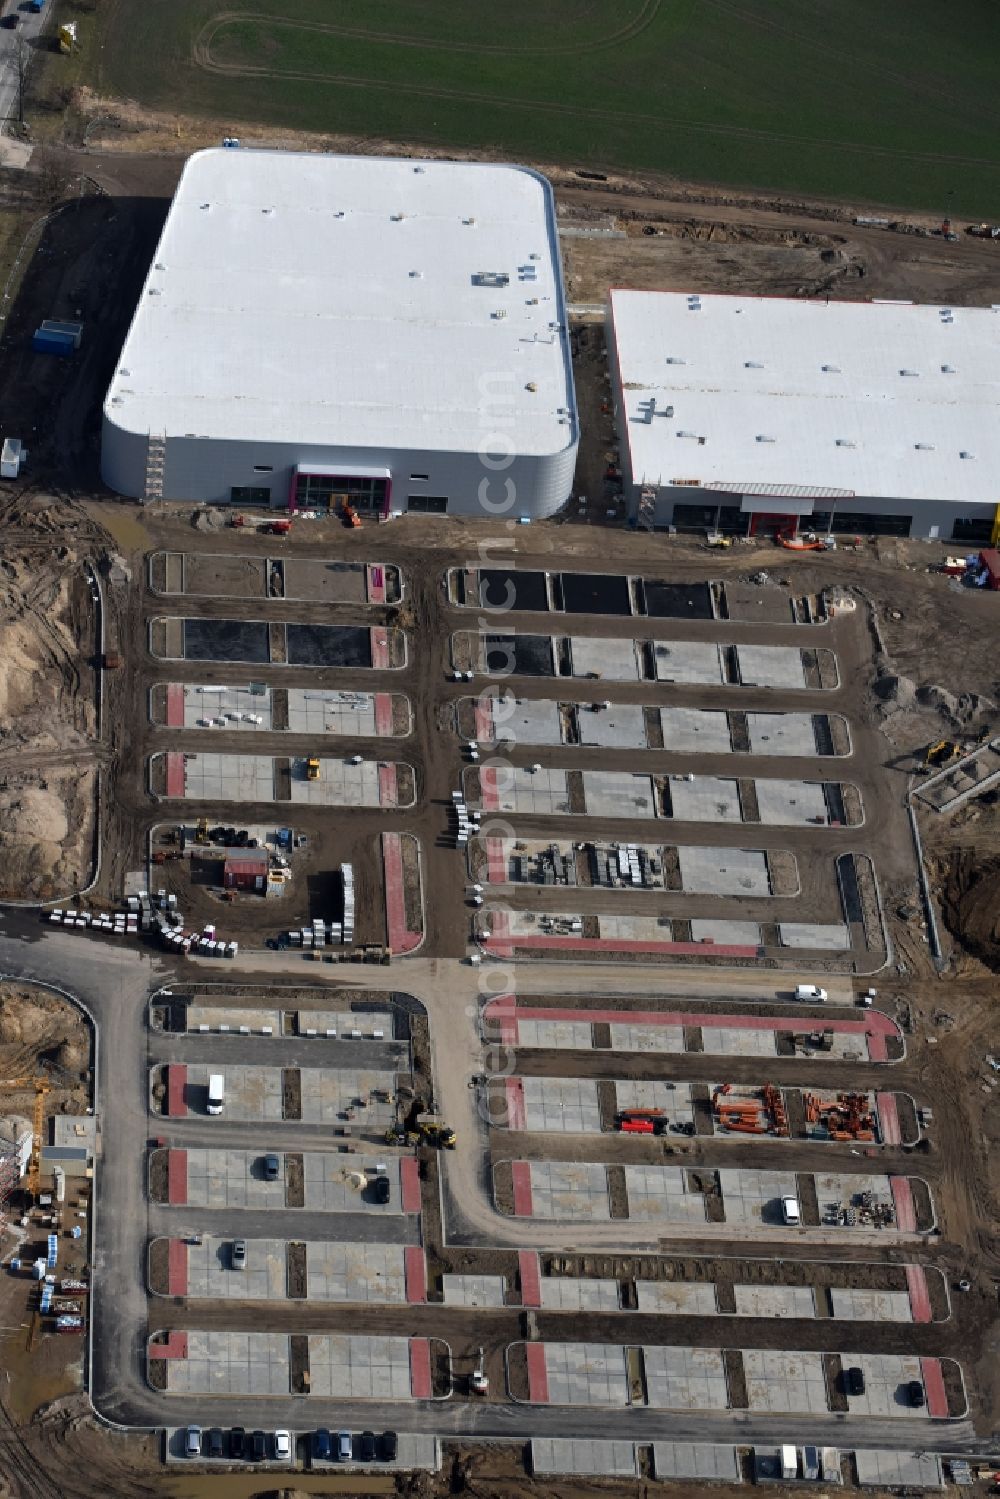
(616,793)
(860,1305)
(603,1459)
(705,799)
(792,803)
(561,1105)
(587,1294)
(229,778)
(729,1041)
(586,1374)
(723,871)
(775,1301)
(664,1038)
(712,929)
(696,1460)
(826,937)
(782,734)
(694,661)
(231,1363)
(238,707)
(327,1188)
(524,720)
(695,731)
(539,793)
(673,1099)
(886,1378)
(555,1035)
(474,1290)
(315,712)
(687,1379)
(328,1096)
(622,726)
(783,1381)
(230,1179)
(569,1189)
(368,1272)
(252,1093)
(771,666)
(359,1368)
(676,1298)
(661,1192)
(882,1469)
(210,1273)
(755,1196)
(611,660)
(340,784)
(218,1017)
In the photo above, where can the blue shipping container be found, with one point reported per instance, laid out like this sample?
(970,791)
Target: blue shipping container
(53,343)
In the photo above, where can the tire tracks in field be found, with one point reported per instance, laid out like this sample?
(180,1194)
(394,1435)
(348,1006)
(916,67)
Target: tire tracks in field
(203,60)
(202,45)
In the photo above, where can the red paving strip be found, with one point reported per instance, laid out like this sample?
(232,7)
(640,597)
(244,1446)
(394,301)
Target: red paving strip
(383,714)
(531,1277)
(888,1118)
(400,938)
(877,1050)
(177,1075)
(176,1346)
(496,863)
(177,1268)
(933,1378)
(175,774)
(538,1375)
(375,581)
(520,1172)
(504,1009)
(688,1017)
(902,1197)
(420,1369)
(387,789)
(488,793)
(177,1177)
(515,1104)
(484,720)
(380,648)
(409,1184)
(175,706)
(920,1297)
(505,947)
(415,1266)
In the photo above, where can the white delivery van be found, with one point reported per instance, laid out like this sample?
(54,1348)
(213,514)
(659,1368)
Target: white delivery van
(790,1210)
(810,993)
(789,1461)
(216,1093)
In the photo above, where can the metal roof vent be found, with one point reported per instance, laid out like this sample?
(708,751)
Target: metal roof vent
(910,372)
(830,369)
(924,447)
(752,364)
(532,385)
(416,275)
(396,218)
(763,437)
(687,434)
(846,442)
(948,369)
(965,454)
(418,170)
(469,223)
(673,359)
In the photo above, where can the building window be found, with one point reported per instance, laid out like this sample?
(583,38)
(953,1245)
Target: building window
(250,494)
(978,531)
(333,491)
(856,522)
(263,468)
(419,478)
(427,504)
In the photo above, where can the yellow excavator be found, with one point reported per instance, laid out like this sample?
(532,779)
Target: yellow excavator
(939,754)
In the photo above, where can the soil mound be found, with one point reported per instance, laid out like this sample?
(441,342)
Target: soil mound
(970,903)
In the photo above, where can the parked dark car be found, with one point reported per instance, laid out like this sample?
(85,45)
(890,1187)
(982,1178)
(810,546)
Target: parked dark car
(367,1446)
(854,1381)
(237,1443)
(258,1447)
(272,1168)
(915,1392)
(216,1442)
(388,1446)
(383,1190)
(322,1445)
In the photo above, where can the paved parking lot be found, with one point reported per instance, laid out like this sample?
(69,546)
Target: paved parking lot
(229,778)
(784,1381)
(561,1105)
(252,1093)
(238,706)
(661,1192)
(328,1190)
(755,1196)
(311,711)
(686,1379)
(586,1374)
(231,1363)
(340,784)
(338,1270)
(231,1179)
(210,1272)
(569,1189)
(681,1298)
(356,1367)
(327,1095)
(886,1378)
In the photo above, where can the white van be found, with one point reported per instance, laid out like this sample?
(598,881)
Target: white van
(790,1211)
(810,993)
(216,1093)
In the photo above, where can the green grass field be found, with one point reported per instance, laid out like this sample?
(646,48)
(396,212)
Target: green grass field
(886,101)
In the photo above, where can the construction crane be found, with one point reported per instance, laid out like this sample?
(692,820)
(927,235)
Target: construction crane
(41,1087)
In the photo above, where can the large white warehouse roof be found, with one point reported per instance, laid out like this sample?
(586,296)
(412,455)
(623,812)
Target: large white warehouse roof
(771,395)
(352,301)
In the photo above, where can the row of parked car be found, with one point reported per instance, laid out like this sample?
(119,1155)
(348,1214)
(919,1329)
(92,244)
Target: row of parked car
(239,1445)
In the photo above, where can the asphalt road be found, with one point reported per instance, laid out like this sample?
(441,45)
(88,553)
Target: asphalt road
(113,983)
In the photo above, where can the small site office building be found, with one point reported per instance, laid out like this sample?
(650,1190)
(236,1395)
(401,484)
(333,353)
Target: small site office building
(321,328)
(747,414)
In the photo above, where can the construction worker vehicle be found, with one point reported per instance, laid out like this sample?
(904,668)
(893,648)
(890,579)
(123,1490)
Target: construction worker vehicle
(312,768)
(940,753)
(433,1130)
(479,1382)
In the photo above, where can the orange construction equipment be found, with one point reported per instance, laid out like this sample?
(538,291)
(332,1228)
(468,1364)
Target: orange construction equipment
(849,1116)
(351,516)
